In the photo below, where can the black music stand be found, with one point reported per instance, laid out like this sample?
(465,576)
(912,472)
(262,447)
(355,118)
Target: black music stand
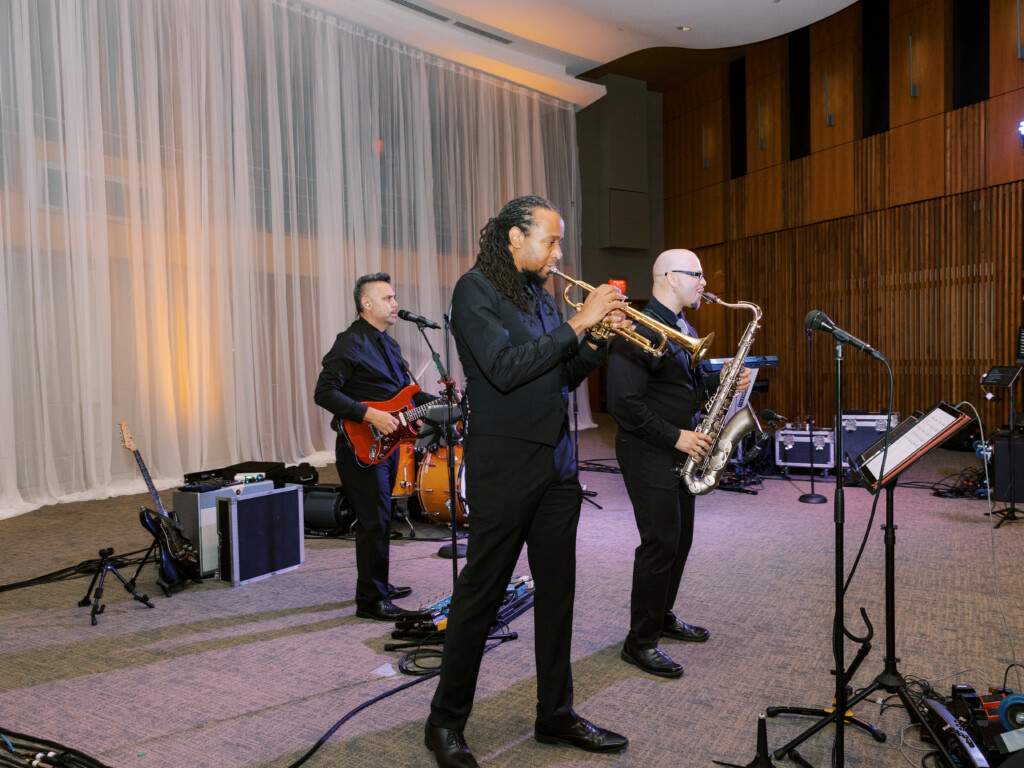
(1005,377)
(907,443)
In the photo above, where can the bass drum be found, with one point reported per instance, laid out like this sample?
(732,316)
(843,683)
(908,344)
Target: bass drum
(432,486)
(405,476)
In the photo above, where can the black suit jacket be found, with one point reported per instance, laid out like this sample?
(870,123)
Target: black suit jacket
(652,398)
(519,367)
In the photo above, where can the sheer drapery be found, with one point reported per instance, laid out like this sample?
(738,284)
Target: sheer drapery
(188,190)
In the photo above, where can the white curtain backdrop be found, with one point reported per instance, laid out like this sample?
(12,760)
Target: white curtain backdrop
(188,190)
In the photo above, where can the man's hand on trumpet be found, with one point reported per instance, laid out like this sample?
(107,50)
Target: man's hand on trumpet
(603,304)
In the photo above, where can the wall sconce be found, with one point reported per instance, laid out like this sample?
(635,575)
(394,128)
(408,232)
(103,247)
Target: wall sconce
(829,117)
(913,86)
(761,143)
(1020,130)
(704,161)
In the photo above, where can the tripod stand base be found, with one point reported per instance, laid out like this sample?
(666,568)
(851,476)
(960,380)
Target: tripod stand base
(762,759)
(446,551)
(811,712)
(104,568)
(812,498)
(1005,515)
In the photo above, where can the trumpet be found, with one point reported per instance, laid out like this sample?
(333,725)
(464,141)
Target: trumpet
(698,347)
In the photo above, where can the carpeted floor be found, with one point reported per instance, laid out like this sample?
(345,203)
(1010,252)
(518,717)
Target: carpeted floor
(220,676)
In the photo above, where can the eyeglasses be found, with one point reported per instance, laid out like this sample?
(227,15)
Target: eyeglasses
(698,275)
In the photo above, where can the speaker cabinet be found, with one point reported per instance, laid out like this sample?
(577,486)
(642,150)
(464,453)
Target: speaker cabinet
(197,513)
(1002,474)
(261,534)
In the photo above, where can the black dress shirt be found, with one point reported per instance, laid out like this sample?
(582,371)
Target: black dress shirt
(519,366)
(363,365)
(651,397)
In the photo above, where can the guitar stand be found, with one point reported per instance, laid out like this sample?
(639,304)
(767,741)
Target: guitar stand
(829,714)
(145,559)
(97,582)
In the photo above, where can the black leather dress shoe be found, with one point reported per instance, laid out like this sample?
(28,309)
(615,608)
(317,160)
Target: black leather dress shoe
(651,660)
(397,593)
(385,610)
(581,734)
(680,630)
(449,747)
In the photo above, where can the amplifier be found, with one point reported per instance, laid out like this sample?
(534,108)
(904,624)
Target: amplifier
(261,534)
(197,513)
(1002,472)
(793,448)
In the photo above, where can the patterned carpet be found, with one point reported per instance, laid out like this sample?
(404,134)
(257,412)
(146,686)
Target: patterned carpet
(219,676)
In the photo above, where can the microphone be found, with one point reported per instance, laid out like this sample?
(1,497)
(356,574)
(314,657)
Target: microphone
(421,321)
(768,415)
(817,320)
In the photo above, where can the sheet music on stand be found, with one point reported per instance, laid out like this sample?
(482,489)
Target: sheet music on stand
(912,439)
(1001,376)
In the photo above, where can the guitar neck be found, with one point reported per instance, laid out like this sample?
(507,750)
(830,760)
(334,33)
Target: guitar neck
(149,484)
(421,410)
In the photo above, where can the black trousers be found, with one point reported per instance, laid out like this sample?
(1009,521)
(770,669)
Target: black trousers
(368,490)
(517,492)
(664,512)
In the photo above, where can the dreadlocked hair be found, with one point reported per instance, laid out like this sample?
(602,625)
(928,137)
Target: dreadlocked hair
(495,258)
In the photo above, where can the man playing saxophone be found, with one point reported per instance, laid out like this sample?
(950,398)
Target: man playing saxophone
(655,401)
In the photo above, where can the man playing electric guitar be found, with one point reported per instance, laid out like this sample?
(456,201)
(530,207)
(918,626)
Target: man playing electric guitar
(364,366)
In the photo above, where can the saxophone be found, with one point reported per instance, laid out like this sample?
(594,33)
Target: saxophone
(701,476)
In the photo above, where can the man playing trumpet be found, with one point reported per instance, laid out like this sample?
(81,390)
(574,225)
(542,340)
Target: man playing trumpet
(520,360)
(655,401)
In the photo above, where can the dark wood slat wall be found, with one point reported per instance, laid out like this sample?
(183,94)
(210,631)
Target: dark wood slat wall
(912,239)
(935,285)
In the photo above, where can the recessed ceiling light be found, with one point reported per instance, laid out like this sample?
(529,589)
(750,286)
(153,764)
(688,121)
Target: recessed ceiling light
(684,29)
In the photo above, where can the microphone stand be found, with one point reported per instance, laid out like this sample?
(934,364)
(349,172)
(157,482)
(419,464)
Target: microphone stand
(587,495)
(838,627)
(449,438)
(812,497)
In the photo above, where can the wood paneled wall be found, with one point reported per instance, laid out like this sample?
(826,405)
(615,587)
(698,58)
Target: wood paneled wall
(912,239)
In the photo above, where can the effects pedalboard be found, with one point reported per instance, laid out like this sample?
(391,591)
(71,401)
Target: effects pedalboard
(518,599)
(980,731)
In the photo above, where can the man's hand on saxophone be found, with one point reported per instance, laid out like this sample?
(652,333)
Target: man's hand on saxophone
(744,381)
(696,444)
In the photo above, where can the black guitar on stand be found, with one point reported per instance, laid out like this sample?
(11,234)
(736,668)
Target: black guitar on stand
(179,560)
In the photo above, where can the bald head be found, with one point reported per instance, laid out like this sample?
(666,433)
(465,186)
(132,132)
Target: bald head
(672,286)
(675,258)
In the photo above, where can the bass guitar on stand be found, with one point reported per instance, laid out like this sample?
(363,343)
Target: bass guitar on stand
(179,560)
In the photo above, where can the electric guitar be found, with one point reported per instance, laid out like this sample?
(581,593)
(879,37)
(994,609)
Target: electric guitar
(179,560)
(369,444)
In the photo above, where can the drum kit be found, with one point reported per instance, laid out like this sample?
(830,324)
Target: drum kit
(423,472)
